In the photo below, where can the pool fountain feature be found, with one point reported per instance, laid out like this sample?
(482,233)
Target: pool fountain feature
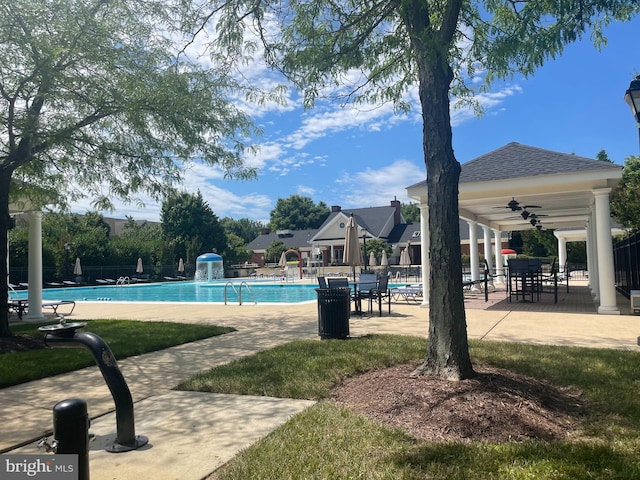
(208,267)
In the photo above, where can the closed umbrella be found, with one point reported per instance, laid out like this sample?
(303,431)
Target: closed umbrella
(77,269)
(139,268)
(181,265)
(405,261)
(352,254)
(372,260)
(283,260)
(384,261)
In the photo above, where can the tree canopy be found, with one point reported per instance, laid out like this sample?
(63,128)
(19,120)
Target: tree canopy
(247,230)
(102,99)
(298,213)
(410,212)
(625,201)
(191,227)
(376,51)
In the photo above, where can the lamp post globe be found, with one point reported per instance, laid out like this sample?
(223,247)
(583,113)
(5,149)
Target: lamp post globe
(632,97)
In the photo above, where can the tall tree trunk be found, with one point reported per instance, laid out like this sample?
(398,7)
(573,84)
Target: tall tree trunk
(448,350)
(5,181)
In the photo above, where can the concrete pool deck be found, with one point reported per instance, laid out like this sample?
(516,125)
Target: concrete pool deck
(192,434)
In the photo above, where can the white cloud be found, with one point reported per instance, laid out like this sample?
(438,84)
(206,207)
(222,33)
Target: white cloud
(376,187)
(306,190)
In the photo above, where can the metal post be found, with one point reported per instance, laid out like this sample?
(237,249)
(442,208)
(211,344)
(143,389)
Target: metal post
(71,432)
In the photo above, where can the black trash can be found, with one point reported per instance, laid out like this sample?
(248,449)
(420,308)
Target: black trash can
(334,309)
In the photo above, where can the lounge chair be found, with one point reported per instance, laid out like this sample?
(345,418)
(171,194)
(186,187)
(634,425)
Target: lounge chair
(407,293)
(22,305)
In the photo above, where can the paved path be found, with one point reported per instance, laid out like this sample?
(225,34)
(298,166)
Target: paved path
(192,434)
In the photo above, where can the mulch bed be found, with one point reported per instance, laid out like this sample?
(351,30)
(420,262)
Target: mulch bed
(495,406)
(21,343)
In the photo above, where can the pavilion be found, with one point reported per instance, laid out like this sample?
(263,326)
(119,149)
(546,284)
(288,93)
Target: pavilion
(568,193)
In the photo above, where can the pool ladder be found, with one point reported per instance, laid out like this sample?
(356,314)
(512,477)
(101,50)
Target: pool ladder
(238,291)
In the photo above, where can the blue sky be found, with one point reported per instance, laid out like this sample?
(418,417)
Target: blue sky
(341,156)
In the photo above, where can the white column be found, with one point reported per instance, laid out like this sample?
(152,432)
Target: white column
(473,249)
(488,254)
(606,271)
(592,255)
(497,239)
(424,253)
(35,266)
(562,252)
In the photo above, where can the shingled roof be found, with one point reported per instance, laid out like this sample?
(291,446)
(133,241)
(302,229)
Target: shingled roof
(515,160)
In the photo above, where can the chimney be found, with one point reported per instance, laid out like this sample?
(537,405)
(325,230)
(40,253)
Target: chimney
(335,208)
(265,231)
(397,216)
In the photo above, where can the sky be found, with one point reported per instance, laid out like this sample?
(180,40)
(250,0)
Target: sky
(367,157)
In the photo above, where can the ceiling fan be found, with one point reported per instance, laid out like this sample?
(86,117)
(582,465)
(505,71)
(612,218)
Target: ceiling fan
(515,206)
(532,216)
(535,223)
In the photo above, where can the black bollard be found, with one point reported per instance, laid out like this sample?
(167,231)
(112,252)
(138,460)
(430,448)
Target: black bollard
(71,432)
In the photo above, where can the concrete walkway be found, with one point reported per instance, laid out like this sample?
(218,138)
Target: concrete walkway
(192,434)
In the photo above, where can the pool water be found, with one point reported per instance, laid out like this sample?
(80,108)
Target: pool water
(184,292)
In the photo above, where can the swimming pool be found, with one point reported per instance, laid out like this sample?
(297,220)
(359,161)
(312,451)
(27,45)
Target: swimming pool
(184,292)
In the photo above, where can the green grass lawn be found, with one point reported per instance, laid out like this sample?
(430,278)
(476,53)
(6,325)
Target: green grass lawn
(124,337)
(328,441)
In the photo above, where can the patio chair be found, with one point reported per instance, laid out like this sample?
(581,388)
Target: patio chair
(322,282)
(338,282)
(379,293)
(364,289)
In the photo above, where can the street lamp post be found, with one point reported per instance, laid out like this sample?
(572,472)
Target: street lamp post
(632,97)
(67,248)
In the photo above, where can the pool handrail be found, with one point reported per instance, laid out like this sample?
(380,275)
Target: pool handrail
(238,293)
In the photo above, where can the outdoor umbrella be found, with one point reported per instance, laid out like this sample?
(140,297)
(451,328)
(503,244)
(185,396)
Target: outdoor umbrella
(181,265)
(372,260)
(384,261)
(283,260)
(139,268)
(77,269)
(352,254)
(405,261)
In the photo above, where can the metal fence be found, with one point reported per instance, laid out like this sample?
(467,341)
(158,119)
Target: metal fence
(626,255)
(90,274)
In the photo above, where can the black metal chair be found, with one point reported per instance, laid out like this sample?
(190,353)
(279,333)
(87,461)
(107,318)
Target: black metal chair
(380,293)
(338,282)
(322,282)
